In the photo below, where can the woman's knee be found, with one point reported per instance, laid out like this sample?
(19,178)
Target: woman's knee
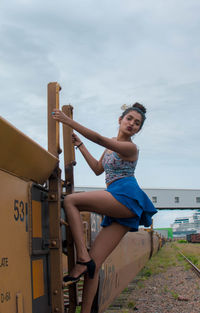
(69,200)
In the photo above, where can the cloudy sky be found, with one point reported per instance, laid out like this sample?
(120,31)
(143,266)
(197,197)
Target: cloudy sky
(104,54)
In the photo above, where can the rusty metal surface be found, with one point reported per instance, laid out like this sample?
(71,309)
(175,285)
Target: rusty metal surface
(86,217)
(22,156)
(122,266)
(39,249)
(69,153)
(69,162)
(53,90)
(15,270)
(56,267)
(95,222)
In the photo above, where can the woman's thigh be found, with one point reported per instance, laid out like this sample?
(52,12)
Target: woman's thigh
(101,202)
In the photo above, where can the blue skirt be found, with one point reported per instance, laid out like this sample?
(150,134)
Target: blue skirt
(127,191)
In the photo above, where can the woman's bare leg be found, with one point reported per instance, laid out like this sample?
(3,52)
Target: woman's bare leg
(107,239)
(101,202)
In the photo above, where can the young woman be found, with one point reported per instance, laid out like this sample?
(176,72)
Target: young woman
(123,203)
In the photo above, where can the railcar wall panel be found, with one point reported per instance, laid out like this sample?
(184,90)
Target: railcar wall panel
(15,270)
(122,266)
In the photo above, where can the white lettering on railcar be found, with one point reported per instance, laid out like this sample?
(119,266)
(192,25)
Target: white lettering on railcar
(3,262)
(5,296)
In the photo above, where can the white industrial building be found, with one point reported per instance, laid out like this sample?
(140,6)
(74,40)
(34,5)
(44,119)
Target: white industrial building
(166,198)
(172,199)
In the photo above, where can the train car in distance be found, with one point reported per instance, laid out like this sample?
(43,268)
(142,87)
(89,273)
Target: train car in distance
(36,245)
(194,238)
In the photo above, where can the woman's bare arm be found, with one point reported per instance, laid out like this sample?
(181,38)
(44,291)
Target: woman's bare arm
(94,164)
(124,148)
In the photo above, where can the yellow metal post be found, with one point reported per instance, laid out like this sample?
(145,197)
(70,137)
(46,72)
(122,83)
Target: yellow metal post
(53,127)
(69,154)
(69,162)
(56,268)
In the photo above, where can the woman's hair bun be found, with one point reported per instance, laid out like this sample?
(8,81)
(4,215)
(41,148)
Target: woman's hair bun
(139,106)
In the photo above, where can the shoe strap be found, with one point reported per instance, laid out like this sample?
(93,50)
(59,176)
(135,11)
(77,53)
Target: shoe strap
(83,263)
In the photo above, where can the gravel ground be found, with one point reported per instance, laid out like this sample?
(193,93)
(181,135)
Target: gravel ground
(175,291)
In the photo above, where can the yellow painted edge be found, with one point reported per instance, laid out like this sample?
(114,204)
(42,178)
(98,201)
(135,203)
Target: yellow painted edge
(36,219)
(38,278)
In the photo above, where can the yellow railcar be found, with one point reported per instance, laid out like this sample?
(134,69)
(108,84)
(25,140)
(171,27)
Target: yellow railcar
(36,245)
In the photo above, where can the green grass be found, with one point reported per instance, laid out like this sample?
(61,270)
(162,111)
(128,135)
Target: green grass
(191,251)
(167,257)
(166,289)
(140,284)
(125,290)
(194,259)
(131,305)
(174,294)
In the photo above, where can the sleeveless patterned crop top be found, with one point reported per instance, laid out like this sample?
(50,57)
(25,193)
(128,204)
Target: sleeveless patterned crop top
(116,168)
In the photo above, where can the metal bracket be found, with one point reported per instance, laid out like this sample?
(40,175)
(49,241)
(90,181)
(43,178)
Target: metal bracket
(45,244)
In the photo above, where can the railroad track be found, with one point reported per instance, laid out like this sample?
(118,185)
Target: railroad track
(194,268)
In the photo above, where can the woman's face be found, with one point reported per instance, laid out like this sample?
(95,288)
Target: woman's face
(131,123)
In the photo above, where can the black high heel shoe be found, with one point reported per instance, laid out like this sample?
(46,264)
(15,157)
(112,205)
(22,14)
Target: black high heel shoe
(91,266)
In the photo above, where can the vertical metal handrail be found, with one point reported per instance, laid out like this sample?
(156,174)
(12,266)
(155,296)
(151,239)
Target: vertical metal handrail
(54,196)
(69,162)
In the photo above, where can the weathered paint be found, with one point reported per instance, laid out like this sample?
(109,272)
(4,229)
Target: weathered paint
(53,90)
(128,258)
(56,266)
(96,220)
(69,162)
